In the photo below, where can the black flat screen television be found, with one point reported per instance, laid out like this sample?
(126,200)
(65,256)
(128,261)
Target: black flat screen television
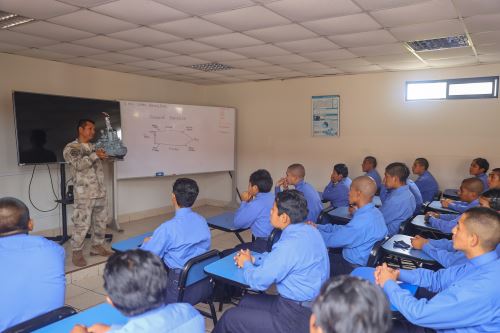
(46,123)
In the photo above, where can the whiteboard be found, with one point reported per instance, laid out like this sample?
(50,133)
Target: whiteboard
(172,139)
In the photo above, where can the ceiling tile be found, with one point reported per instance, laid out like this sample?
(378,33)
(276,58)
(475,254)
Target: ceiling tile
(8,48)
(73,49)
(86,62)
(115,57)
(247,18)
(180,70)
(489,37)
(260,51)
(404,66)
(300,10)
(429,30)
(433,10)
(238,72)
(106,43)
(52,31)
(219,56)
(323,71)
(367,38)
(186,47)
(122,68)
(375,50)
(183,60)
(361,69)
(230,79)
(480,23)
(269,69)
(43,54)
(306,66)
(449,53)
(387,58)
(149,72)
(285,59)
(329,55)
(144,36)
(385,4)
(256,77)
(206,75)
(470,8)
(85,3)
(308,45)
(488,48)
(453,62)
(197,7)
(144,12)
(246,63)
(150,64)
(347,62)
(39,9)
(282,33)
(490,58)
(148,53)
(193,27)
(92,22)
(230,41)
(343,25)
(289,74)
(17,38)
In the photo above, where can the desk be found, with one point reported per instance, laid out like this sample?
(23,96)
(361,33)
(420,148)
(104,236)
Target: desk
(340,215)
(225,270)
(225,222)
(130,243)
(102,313)
(419,223)
(451,193)
(366,273)
(411,253)
(437,207)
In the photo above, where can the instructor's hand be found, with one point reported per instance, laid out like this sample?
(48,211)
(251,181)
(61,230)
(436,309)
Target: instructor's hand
(101,154)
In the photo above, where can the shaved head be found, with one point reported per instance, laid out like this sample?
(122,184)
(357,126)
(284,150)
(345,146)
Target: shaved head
(297,169)
(366,185)
(473,185)
(485,223)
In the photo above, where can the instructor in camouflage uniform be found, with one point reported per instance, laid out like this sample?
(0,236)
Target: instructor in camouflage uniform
(90,208)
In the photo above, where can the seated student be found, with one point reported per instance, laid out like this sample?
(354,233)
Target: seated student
(295,176)
(347,304)
(369,166)
(337,190)
(183,237)
(478,168)
(442,250)
(399,204)
(426,182)
(256,203)
(297,265)
(467,295)
(357,237)
(413,189)
(136,283)
(469,193)
(32,278)
(494,178)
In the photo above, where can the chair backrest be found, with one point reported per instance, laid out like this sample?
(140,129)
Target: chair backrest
(273,238)
(323,217)
(375,253)
(193,270)
(405,226)
(42,320)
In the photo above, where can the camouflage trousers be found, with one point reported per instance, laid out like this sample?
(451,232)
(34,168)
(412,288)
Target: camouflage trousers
(89,215)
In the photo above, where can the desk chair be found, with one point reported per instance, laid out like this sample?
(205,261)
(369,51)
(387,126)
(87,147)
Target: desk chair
(435,206)
(376,253)
(193,276)
(451,193)
(42,320)
(406,258)
(417,226)
(273,238)
(323,217)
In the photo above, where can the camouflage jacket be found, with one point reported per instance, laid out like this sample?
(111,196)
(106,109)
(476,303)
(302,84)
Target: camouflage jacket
(86,170)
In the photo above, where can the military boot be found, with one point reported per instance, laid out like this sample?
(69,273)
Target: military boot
(78,259)
(99,250)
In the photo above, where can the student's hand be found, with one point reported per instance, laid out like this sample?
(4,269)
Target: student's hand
(101,154)
(432,214)
(147,239)
(351,209)
(446,202)
(312,224)
(385,273)
(99,328)
(282,182)
(79,329)
(243,256)
(418,242)
(246,196)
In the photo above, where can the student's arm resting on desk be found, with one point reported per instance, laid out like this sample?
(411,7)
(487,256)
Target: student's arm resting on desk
(442,224)
(245,215)
(443,244)
(158,242)
(433,281)
(338,235)
(459,206)
(444,257)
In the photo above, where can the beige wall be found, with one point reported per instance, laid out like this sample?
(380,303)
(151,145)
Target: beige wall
(274,125)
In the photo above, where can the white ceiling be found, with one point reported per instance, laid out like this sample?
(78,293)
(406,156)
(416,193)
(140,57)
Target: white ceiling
(260,39)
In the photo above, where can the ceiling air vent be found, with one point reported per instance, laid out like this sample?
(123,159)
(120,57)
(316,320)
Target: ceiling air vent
(211,67)
(439,43)
(9,20)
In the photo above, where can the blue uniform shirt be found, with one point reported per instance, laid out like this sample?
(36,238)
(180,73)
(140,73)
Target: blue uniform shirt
(357,237)
(462,206)
(467,299)
(427,185)
(298,264)
(413,189)
(176,241)
(398,207)
(338,194)
(175,318)
(314,204)
(484,178)
(256,215)
(443,252)
(446,222)
(32,281)
(376,177)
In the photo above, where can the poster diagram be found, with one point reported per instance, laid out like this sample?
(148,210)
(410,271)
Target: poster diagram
(325,115)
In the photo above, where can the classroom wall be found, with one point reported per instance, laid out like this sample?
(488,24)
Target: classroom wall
(274,125)
(138,197)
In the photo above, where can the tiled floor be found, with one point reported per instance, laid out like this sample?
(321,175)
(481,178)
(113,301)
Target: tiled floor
(84,288)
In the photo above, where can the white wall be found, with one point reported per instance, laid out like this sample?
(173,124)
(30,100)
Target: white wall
(274,125)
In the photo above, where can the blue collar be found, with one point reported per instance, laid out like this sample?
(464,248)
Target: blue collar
(300,183)
(400,189)
(484,258)
(366,207)
(183,211)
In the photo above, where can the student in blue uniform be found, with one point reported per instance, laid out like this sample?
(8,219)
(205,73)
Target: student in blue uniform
(426,182)
(337,190)
(399,204)
(369,166)
(256,203)
(32,278)
(469,193)
(413,189)
(136,283)
(357,237)
(295,174)
(494,178)
(183,237)
(442,250)
(467,295)
(478,168)
(347,304)
(297,265)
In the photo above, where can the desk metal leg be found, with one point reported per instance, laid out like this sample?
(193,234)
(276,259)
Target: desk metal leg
(239,237)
